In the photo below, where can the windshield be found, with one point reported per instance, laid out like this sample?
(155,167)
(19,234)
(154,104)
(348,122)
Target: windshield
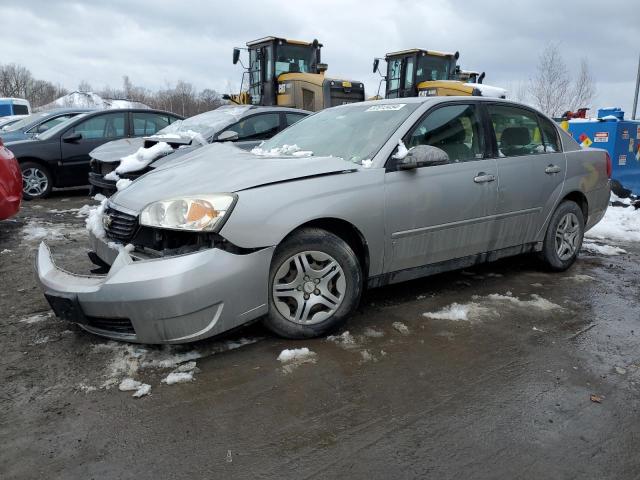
(206,124)
(354,133)
(294,58)
(26,121)
(433,68)
(58,128)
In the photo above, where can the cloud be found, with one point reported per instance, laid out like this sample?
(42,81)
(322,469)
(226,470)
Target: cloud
(159,42)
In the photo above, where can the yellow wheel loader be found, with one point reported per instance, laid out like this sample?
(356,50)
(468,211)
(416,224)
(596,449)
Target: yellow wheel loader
(428,73)
(290,73)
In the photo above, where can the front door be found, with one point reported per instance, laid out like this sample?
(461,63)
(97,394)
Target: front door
(94,132)
(531,171)
(443,212)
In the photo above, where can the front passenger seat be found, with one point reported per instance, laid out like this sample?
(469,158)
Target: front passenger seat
(515,141)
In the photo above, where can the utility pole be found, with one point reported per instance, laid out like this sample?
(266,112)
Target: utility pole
(635,97)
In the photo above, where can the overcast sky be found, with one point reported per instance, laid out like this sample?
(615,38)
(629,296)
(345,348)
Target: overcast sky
(158,42)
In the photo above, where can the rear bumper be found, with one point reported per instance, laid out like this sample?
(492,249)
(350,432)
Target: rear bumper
(171,300)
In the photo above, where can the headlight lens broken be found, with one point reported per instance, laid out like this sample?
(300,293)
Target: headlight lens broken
(193,213)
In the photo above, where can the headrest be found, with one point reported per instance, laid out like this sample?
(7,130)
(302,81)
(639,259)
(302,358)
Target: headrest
(515,136)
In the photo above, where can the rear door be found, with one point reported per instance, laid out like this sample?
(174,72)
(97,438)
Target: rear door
(439,213)
(144,124)
(531,171)
(94,131)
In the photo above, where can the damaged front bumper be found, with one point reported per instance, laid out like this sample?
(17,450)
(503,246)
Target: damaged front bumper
(174,299)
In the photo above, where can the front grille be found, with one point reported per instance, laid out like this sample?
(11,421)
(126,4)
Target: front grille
(119,225)
(116,325)
(107,167)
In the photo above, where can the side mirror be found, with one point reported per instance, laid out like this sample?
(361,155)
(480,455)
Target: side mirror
(236,55)
(376,62)
(228,136)
(423,156)
(72,137)
(481,77)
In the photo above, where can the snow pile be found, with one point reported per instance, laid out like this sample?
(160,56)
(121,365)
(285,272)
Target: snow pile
(90,100)
(293,150)
(295,357)
(456,312)
(84,211)
(40,317)
(402,151)
(619,223)
(602,249)
(488,90)
(401,327)
(123,183)
(94,220)
(143,157)
(129,385)
(536,301)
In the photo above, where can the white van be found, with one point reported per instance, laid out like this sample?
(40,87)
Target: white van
(14,106)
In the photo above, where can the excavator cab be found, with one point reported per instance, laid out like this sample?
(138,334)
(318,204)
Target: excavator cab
(427,73)
(290,73)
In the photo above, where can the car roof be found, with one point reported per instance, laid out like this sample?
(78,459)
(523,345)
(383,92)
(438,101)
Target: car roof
(93,113)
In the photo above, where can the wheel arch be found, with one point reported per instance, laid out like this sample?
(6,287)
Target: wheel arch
(579,198)
(344,230)
(41,162)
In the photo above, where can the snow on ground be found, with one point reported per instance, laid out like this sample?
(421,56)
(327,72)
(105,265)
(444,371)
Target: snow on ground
(40,317)
(129,385)
(367,356)
(178,377)
(602,249)
(401,327)
(619,223)
(345,339)
(128,361)
(490,306)
(293,358)
(6,250)
(580,278)
(372,332)
(143,157)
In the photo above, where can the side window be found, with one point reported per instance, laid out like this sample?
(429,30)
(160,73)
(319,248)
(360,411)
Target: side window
(44,126)
(110,125)
(258,127)
(550,136)
(517,131)
(409,73)
(148,123)
(456,129)
(291,118)
(20,110)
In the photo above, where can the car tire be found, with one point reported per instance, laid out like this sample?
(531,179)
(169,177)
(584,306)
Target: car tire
(315,284)
(37,181)
(563,239)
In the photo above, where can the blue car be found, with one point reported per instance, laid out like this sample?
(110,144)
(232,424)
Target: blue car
(40,122)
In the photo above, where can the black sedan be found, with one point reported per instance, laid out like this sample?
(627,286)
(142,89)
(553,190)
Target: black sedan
(36,123)
(130,158)
(59,157)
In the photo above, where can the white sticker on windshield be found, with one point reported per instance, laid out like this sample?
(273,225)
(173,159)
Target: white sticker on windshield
(385,108)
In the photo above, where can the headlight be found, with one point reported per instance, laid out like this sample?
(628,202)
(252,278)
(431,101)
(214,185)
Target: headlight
(201,213)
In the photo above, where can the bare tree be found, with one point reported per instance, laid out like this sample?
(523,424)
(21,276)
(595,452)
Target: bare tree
(584,88)
(551,84)
(84,86)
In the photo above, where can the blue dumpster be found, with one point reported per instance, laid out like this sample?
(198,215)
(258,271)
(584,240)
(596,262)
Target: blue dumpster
(621,138)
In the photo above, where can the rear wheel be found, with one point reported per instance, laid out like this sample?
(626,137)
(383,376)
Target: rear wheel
(37,181)
(315,284)
(564,235)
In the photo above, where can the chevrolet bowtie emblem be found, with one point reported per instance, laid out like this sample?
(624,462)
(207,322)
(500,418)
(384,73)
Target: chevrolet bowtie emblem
(106,221)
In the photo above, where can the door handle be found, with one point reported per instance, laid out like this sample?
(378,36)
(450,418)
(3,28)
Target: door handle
(484,178)
(551,169)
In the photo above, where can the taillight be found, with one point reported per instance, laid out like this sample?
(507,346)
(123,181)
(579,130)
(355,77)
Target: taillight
(609,165)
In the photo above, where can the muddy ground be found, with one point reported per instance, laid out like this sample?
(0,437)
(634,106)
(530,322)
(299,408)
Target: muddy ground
(507,393)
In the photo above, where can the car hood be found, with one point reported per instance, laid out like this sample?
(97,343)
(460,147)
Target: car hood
(114,151)
(14,136)
(221,168)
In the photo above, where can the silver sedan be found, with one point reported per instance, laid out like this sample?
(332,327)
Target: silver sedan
(355,196)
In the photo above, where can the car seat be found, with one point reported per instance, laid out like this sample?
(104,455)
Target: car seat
(515,141)
(450,138)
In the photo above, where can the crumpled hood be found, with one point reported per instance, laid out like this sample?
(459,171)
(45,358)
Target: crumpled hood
(220,168)
(114,151)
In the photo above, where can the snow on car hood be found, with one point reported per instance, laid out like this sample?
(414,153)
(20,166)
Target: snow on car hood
(114,151)
(220,168)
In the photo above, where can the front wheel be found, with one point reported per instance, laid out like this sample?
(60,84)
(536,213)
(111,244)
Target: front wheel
(315,283)
(564,235)
(36,181)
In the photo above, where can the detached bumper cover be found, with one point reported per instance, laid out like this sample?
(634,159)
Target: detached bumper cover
(171,300)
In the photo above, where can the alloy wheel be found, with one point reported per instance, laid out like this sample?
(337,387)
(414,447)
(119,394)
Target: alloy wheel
(34,182)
